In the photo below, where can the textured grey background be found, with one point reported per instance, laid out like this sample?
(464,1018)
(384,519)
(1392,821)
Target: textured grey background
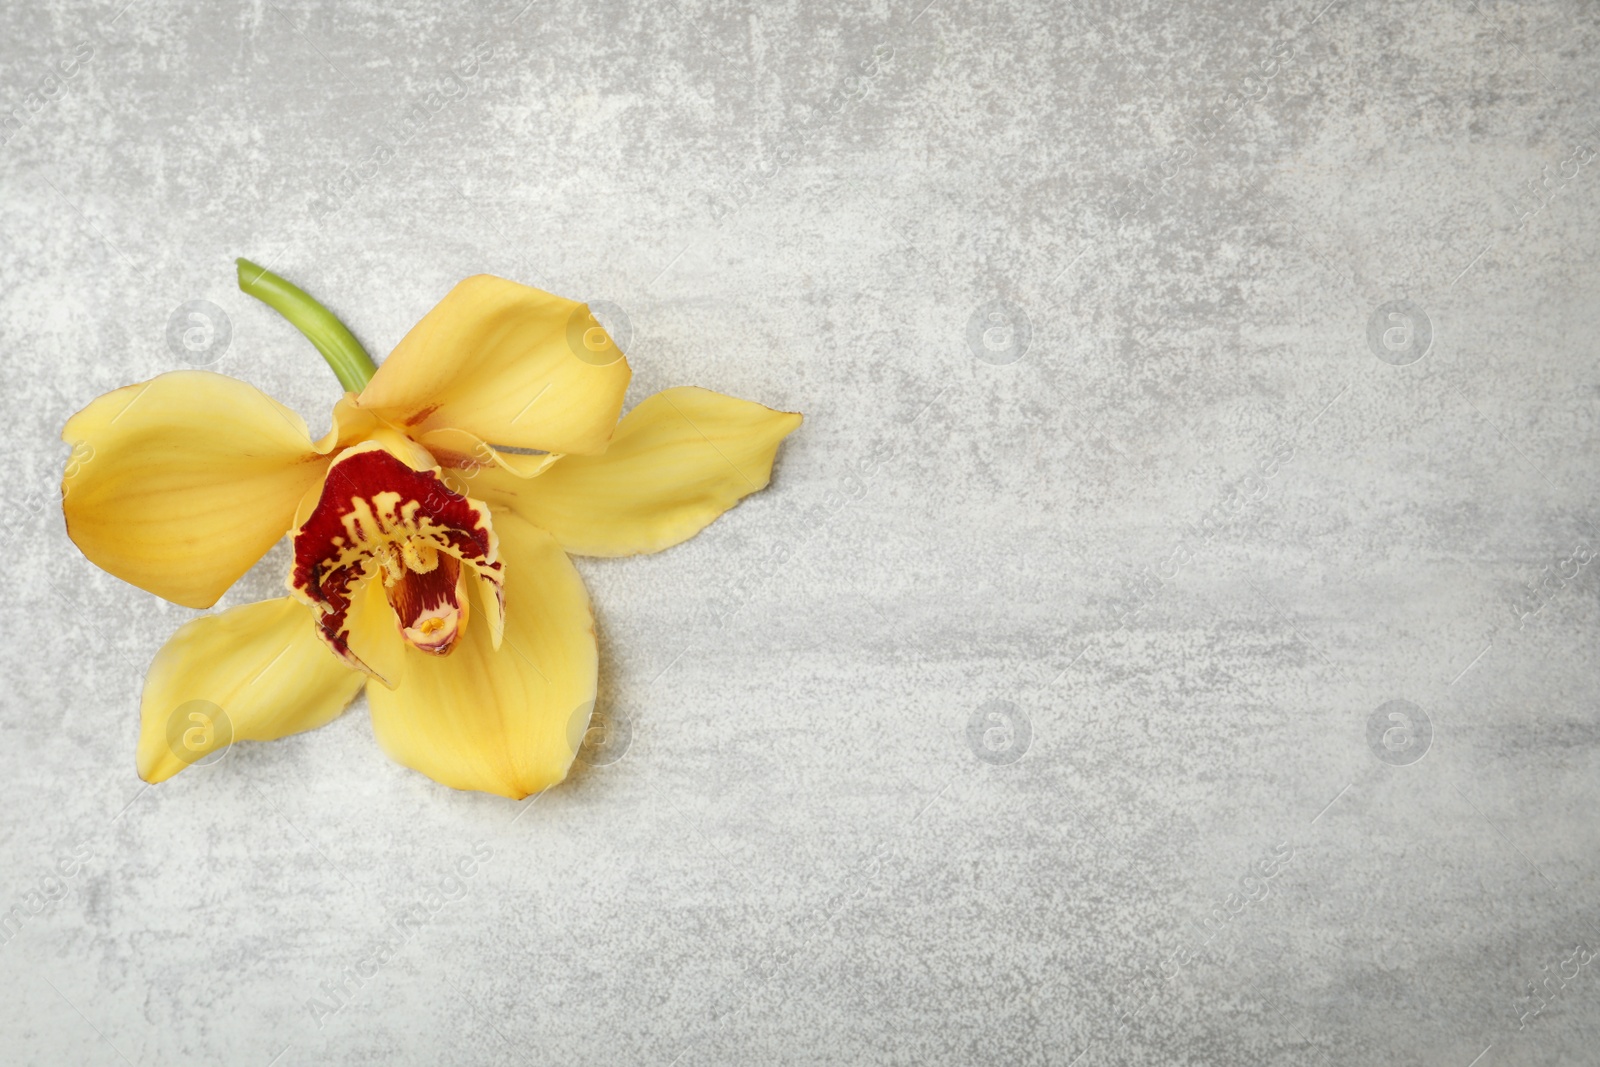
(1186,546)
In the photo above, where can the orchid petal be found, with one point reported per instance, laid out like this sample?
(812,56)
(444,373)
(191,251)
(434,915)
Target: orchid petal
(178,485)
(508,363)
(679,459)
(254,673)
(506,721)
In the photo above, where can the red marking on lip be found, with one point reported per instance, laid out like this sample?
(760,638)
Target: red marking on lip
(418,593)
(373,506)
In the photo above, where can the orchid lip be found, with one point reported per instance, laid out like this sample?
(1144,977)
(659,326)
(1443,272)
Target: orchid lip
(430,606)
(380,520)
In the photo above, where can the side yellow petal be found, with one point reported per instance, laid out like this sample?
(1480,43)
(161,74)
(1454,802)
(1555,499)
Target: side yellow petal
(506,721)
(508,363)
(178,485)
(679,459)
(252,673)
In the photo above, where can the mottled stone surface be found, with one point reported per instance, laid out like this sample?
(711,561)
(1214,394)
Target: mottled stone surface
(1185,383)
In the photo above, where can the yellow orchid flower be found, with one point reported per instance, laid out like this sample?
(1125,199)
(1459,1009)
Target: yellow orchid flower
(430,529)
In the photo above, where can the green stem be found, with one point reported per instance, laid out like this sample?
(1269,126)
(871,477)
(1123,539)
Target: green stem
(350,362)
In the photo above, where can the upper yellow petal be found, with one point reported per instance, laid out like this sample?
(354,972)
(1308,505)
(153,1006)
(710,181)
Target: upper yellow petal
(508,363)
(506,721)
(253,673)
(178,485)
(679,459)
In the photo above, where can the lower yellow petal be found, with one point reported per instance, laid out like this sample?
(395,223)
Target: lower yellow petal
(180,484)
(506,721)
(253,673)
(677,461)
